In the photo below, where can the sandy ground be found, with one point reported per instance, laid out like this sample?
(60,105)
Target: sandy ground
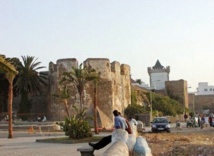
(182,142)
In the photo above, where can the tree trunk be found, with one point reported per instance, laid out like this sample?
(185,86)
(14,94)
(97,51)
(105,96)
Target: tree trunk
(24,106)
(81,99)
(95,109)
(10,101)
(66,108)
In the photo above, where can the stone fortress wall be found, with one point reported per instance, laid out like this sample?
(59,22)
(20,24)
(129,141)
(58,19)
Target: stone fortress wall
(113,92)
(191,101)
(178,90)
(204,102)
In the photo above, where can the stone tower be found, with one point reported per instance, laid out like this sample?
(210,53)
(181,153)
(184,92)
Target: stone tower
(178,90)
(158,76)
(113,91)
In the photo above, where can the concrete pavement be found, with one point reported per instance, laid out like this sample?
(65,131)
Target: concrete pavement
(24,144)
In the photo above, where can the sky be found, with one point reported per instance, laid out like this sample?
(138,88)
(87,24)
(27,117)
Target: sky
(178,33)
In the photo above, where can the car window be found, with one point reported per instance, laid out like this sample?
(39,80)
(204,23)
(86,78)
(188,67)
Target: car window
(160,120)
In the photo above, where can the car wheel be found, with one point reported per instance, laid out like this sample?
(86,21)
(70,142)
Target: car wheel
(168,131)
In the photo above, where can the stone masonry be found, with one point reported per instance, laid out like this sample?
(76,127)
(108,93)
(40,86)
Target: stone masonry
(113,92)
(198,103)
(178,90)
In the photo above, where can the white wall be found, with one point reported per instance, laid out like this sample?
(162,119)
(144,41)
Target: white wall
(158,80)
(204,89)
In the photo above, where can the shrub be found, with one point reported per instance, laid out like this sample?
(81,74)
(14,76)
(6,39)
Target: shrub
(77,127)
(133,109)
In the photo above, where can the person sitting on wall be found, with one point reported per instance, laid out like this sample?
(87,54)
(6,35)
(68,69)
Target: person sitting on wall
(128,129)
(44,118)
(39,119)
(118,124)
(185,117)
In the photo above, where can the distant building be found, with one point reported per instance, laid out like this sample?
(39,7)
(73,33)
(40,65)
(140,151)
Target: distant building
(142,85)
(158,76)
(204,89)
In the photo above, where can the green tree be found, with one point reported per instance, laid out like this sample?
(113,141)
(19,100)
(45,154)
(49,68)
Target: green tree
(78,77)
(165,104)
(139,81)
(133,110)
(29,80)
(133,97)
(4,85)
(63,96)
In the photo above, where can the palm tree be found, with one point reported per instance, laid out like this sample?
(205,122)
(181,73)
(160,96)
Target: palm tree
(10,73)
(63,96)
(29,80)
(78,77)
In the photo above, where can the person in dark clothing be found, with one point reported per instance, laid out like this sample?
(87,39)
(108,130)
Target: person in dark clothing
(210,121)
(102,143)
(118,124)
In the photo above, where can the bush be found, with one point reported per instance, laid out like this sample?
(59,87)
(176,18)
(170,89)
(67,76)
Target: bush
(76,127)
(134,109)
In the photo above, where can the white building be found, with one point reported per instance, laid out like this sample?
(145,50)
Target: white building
(204,89)
(158,75)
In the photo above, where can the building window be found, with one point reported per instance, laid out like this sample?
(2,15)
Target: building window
(205,90)
(210,89)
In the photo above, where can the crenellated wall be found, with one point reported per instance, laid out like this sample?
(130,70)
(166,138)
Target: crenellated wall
(158,77)
(113,91)
(126,82)
(56,109)
(157,70)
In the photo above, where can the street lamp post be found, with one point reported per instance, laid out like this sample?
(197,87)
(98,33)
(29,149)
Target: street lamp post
(193,100)
(151,90)
(150,105)
(193,103)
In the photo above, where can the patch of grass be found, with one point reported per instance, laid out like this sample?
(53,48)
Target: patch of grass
(66,140)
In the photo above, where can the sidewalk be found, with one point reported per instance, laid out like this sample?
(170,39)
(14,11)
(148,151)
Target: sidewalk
(23,146)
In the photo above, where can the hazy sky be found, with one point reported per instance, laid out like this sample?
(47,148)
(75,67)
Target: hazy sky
(180,33)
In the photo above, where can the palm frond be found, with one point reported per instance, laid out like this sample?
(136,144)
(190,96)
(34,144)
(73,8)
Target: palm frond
(29,80)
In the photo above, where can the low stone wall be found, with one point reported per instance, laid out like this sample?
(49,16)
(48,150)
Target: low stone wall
(141,147)
(124,144)
(118,148)
(36,126)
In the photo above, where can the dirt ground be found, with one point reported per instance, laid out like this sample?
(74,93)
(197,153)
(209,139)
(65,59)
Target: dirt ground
(182,142)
